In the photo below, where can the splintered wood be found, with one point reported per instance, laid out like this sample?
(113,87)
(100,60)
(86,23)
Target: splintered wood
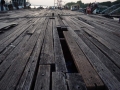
(67,51)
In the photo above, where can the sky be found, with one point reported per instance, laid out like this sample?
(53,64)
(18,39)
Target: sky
(51,2)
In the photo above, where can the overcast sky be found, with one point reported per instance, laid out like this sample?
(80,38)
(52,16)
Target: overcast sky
(51,2)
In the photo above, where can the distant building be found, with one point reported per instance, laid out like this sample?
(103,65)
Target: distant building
(75,7)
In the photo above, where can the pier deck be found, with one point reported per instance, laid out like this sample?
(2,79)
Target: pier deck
(65,51)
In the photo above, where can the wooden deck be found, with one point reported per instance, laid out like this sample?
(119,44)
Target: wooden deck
(66,51)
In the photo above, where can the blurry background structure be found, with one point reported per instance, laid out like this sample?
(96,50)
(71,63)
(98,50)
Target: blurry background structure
(15,4)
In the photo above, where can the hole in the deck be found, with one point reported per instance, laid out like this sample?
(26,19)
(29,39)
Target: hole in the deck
(113,70)
(52,70)
(67,55)
(60,32)
(51,18)
(52,67)
(95,86)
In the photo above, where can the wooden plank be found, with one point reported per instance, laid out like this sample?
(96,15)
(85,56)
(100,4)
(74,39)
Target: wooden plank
(47,54)
(12,37)
(75,82)
(57,23)
(104,31)
(9,49)
(82,23)
(43,78)
(107,62)
(14,73)
(26,80)
(107,36)
(35,24)
(10,58)
(101,31)
(5,25)
(58,53)
(4,36)
(108,78)
(89,75)
(58,81)
(22,38)
(111,54)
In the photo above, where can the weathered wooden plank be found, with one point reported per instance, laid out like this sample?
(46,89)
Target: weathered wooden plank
(89,75)
(9,49)
(108,78)
(21,25)
(14,73)
(58,81)
(82,23)
(13,45)
(111,54)
(47,54)
(104,31)
(10,58)
(57,23)
(12,37)
(43,78)
(104,42)
(75,82)
(35,24)
(27,78)
(107,36)
(107,62)
(58,53)
(8,61)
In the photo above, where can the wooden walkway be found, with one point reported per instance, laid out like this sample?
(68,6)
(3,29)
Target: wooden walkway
(66,51)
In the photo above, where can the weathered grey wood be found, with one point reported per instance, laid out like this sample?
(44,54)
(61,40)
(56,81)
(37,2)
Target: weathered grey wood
(89,75)
(58,81)
(8,61)
(17,28)
(111,54)
(10,58)
(47,54)
(108,78)
(13,45)
(106,32)
(5,25)
(35,24)
(60,20)
(58,53)
(57,23)
(107,36)
(26,80)
(12,37)
(107,62)
(75,82)
(14,73)
(43,78)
